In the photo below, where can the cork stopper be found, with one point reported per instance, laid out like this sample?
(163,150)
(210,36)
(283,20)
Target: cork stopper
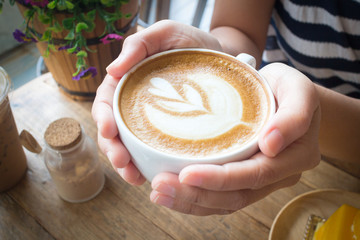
(63,134)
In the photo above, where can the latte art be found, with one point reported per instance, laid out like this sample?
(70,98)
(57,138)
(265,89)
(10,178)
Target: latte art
(224,113)
(194,104)
(162,88)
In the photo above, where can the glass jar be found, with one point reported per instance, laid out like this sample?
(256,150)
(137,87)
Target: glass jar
(71,158)
(13,163)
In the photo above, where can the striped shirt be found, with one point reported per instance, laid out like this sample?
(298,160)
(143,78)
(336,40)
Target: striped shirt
(321,39)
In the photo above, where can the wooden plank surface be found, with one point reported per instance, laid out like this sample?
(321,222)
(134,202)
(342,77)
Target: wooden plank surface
(17,224)
(122,211)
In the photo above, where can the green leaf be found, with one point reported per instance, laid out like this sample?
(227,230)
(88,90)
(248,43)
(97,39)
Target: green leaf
(58,27)
(91,15)
(70,36)
(52,5)
(61,5)
(46,36)
(73,49)
(55,28)
(112,19)
(82,53)
(29,14)
(80,62)
(81,26)
(105,2)
(46,53)
(52,47)
(68,23)
(69,5)
(44,19)
(91,26)
(77,71)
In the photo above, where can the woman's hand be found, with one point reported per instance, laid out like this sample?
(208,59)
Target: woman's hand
(288,144)
(161,36)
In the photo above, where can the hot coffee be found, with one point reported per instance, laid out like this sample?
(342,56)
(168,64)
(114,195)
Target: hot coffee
(194,104)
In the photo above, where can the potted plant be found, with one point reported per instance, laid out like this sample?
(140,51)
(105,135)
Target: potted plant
(78,38)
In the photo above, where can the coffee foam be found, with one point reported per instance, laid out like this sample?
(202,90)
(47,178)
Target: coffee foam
(182,105)
(223,113)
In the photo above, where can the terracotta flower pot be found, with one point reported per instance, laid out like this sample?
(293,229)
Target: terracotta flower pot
(62,65)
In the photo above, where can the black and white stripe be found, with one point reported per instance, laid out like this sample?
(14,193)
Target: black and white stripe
(320,38)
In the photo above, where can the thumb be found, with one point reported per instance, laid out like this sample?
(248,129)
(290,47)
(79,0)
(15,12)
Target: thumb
(161,36)
(136,47)
(297,101)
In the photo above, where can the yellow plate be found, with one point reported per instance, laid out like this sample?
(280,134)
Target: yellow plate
(291,220)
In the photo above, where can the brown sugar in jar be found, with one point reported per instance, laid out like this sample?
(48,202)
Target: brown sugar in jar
(72,160)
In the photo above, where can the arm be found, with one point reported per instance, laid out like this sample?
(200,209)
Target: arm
(340,126)
(241,25)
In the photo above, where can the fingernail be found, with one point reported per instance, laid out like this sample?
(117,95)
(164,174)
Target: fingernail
(162,200)
(109,155)
(165,189)
(274,142)
(120,171)
(190,180)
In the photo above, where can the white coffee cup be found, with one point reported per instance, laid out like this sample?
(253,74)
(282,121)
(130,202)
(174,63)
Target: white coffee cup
(151,161)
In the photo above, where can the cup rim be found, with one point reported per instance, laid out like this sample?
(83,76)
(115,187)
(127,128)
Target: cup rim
(5,78)
(214,158)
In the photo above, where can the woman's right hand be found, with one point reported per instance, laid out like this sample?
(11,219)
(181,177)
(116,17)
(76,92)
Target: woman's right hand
(161,36)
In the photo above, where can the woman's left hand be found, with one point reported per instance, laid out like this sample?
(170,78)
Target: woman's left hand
(288,146)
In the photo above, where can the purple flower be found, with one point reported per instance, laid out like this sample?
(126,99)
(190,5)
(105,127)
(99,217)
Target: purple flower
(21,37)
(85,74)
(39,3)
(110,37)
(65,47)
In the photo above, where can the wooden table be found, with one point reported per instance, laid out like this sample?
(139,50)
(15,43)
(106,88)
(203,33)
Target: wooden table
(33,210)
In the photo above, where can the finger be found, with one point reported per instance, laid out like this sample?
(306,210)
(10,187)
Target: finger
(297,100)
(260,170)
(102,109)
(185,207)
(191,200)
(141,45)
(131,174)
(166,188)
(115,151)
(133,51)
(121,160)
(161,36)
